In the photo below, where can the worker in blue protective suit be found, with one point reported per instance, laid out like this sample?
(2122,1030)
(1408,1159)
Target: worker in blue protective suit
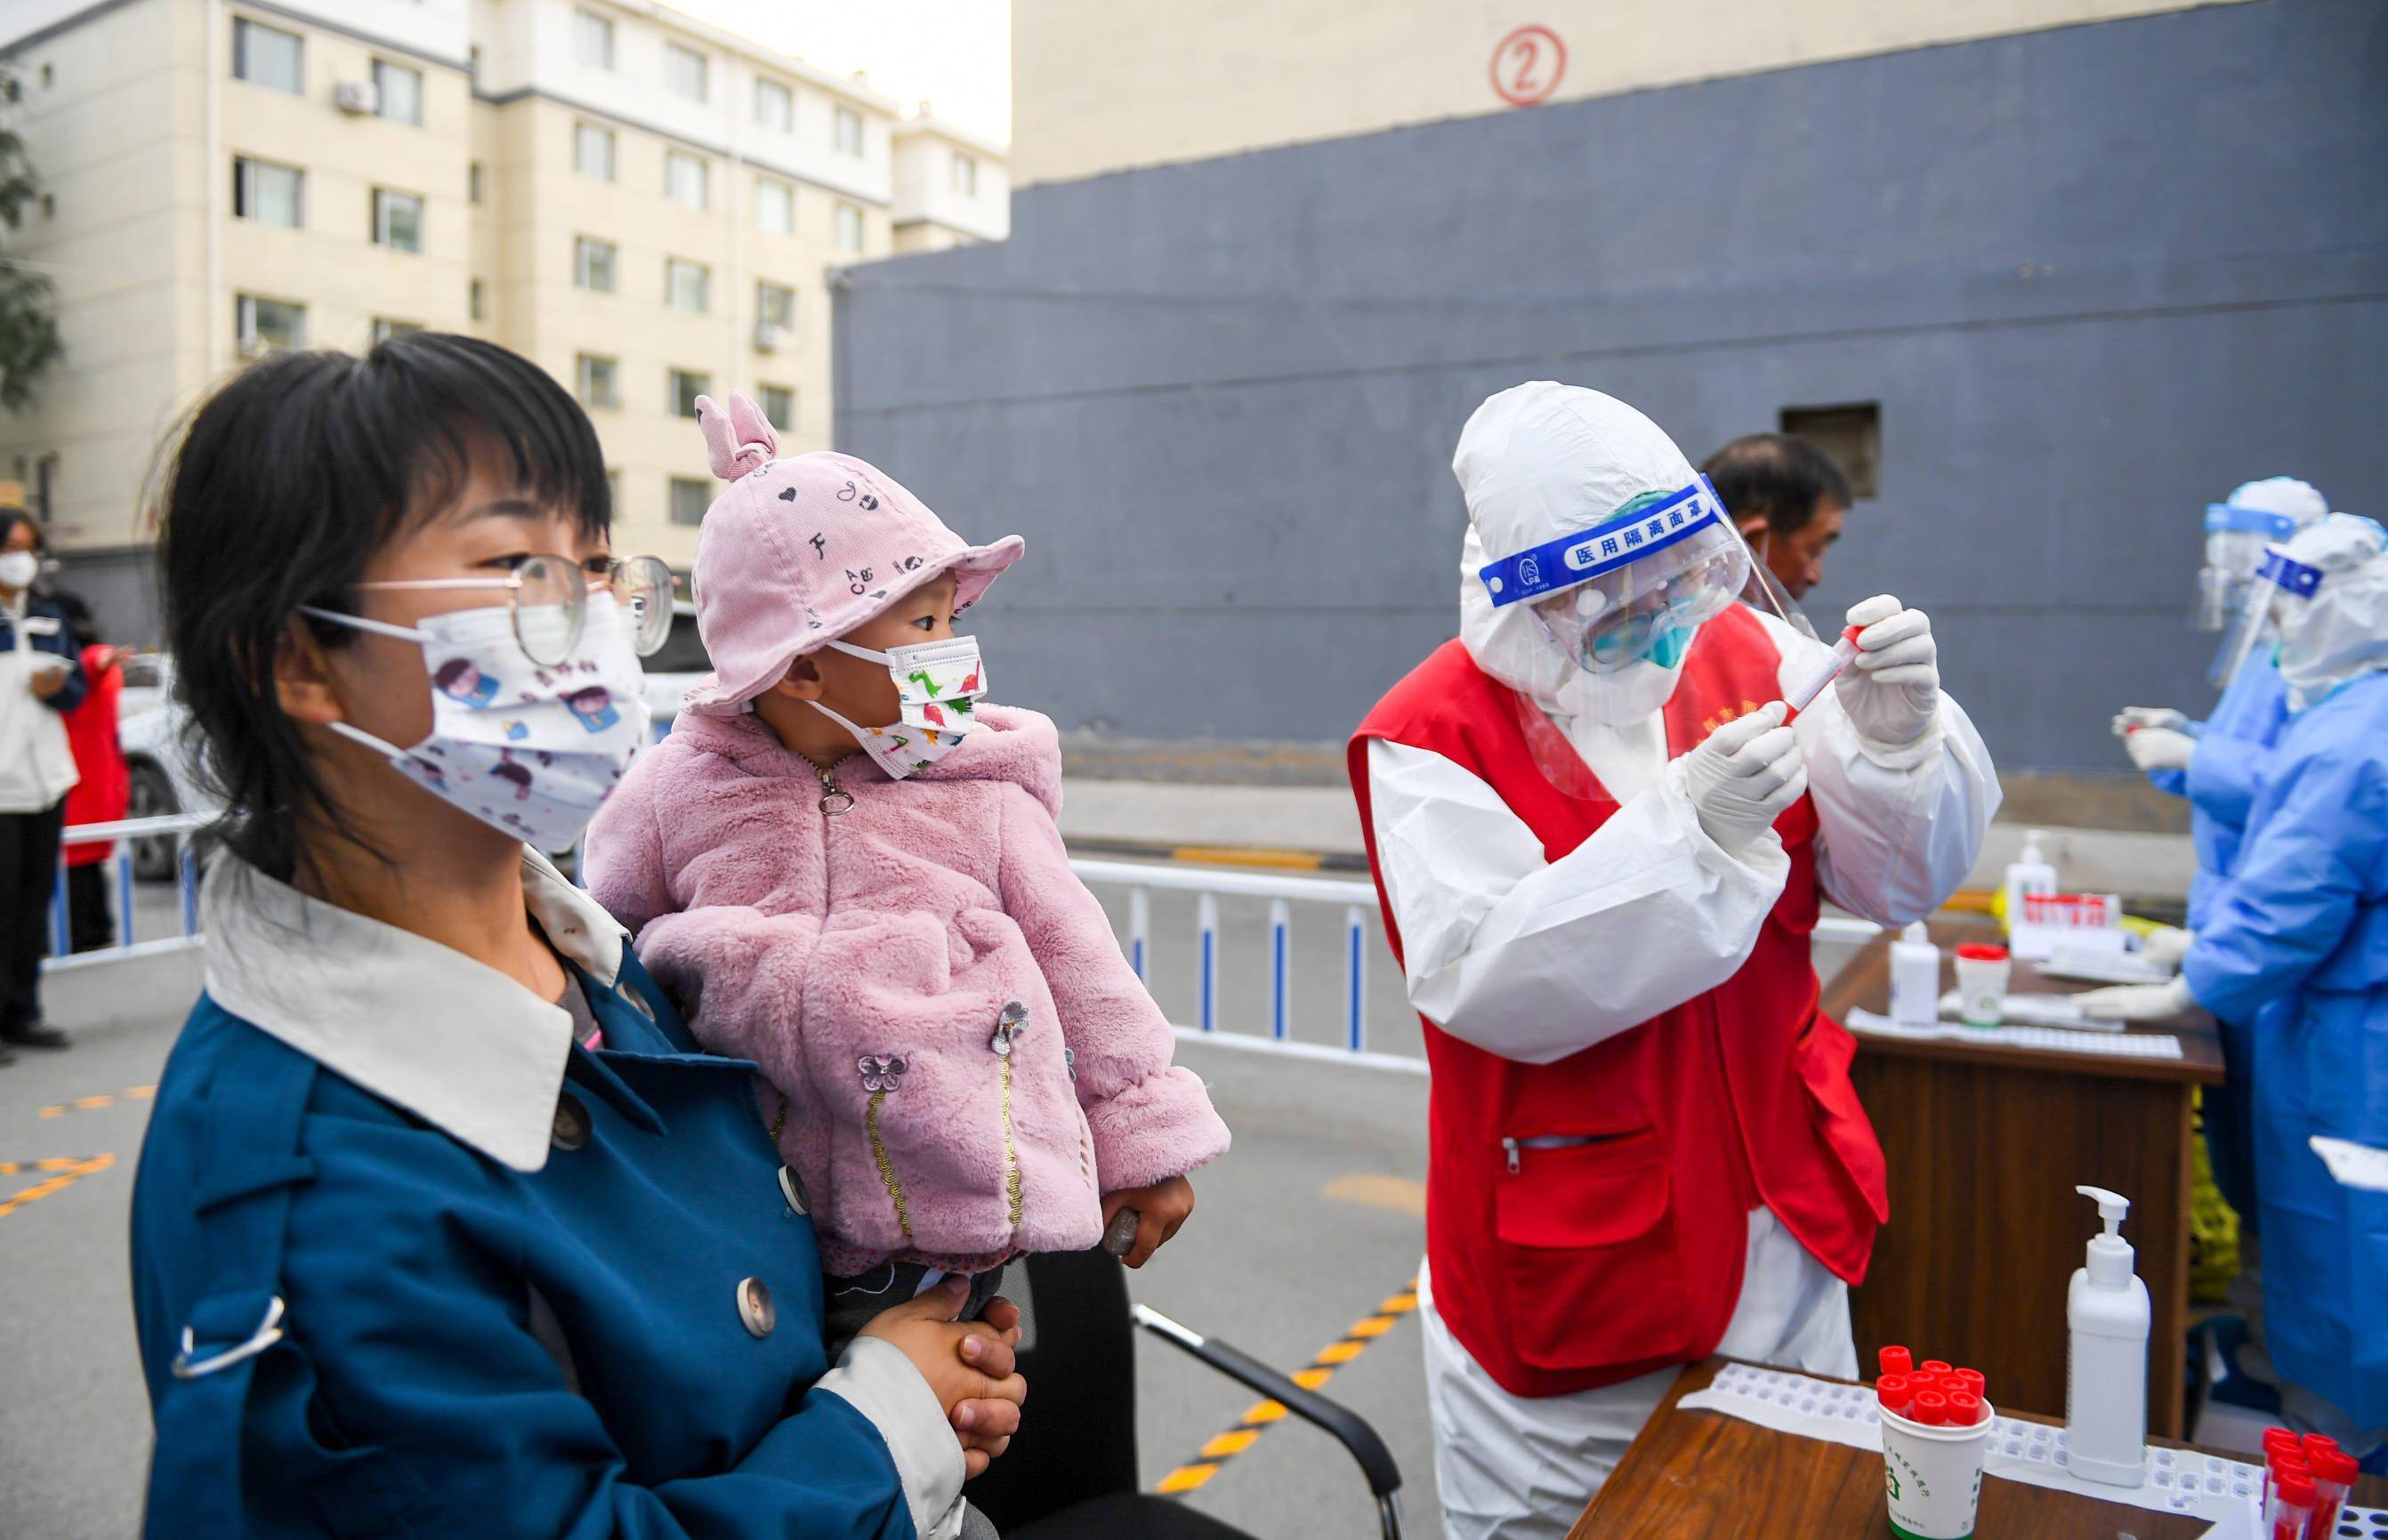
(2298,942)
(2218,763)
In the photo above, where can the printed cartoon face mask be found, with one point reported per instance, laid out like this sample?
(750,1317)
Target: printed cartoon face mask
(530,749)
(940,684)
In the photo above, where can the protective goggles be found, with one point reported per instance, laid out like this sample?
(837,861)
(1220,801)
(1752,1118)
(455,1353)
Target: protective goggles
(1635,585)
(548,596)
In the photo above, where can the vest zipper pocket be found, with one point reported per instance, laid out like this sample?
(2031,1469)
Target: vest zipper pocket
(1514,1147)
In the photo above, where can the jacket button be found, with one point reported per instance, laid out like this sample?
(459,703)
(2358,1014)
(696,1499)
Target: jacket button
(571,1130)
(637,1001)
(755,1308)
(792,1188)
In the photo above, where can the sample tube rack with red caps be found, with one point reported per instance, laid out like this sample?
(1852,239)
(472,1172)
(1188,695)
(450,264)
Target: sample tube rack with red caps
(1931,1393)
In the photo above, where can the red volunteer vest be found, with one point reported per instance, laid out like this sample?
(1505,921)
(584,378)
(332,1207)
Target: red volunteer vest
(1619,1248)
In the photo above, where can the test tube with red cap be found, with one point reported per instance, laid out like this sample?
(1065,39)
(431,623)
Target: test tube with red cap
(1893,1392)
(1972,1379)
(1931,1409)
(2333,1477)
(2294,1508)
(1966,1409)
(1803,694)
(1896,1360)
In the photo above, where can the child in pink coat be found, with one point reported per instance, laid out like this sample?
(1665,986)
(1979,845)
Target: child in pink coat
(848,868)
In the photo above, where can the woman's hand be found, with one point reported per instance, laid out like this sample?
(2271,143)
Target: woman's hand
(969,1365)
(49,681)
(1161,1208)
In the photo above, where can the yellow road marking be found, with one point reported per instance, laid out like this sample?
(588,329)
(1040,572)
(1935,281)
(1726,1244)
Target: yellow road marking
(1373,1191)
(1264,1415)
(1229,855)
(93,1103)
(68,1172)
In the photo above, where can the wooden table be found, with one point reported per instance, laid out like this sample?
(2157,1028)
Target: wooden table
(1699,1475)
(1986,1144)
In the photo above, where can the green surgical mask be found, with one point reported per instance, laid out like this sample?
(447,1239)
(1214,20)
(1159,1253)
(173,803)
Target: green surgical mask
(1668,650)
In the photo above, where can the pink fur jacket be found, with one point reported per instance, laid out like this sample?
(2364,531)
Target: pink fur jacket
(969,1063)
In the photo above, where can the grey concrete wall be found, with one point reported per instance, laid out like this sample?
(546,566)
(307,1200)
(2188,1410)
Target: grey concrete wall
(2095,276)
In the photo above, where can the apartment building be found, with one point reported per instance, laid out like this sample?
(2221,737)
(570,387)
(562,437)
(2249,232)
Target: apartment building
(648,206)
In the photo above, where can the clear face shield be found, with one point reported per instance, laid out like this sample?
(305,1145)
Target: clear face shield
(2281,582)
(1632,589)
(2236,539)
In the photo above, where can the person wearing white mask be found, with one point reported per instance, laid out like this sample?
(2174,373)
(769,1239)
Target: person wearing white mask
(1601,852)
(2297,945)
(40,681)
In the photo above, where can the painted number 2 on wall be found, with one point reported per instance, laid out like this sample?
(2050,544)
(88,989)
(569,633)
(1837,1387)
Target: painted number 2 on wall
(1527,66)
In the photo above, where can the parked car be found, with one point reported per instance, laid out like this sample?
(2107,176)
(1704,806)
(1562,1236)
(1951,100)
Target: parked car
(153,728)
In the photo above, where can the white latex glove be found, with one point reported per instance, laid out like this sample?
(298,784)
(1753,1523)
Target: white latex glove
(2132,717)
(2167,944)
(2155,749)
(2136,1002)
(1891,687)
(1742,775)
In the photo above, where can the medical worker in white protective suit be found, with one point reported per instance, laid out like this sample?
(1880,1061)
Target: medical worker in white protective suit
(1601,855)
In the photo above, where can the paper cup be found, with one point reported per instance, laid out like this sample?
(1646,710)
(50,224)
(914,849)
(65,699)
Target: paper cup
(1982,988)
(1933,1476)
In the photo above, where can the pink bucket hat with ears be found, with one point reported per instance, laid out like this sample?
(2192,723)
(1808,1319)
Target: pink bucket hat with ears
(798,551)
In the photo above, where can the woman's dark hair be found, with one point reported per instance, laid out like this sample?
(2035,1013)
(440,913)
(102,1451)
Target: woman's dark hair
(1779,476)
(287,482)
(11,518)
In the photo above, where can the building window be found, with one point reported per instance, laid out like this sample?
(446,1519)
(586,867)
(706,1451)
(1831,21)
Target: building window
(267,326)
(775,106)
(397,92)
(477,300)
(268,55)
(398,220)
(689,499)
(472,182)
(592,151)
(592,265)
(775,208)
(384,329)
(593,39)
(775,306)
(685,180)
(849,132)
(686,386)
(965,175)
(598,380)
(1850,436)
(267,193)
(849,227)
(780,407)
(688,286)
(684,73)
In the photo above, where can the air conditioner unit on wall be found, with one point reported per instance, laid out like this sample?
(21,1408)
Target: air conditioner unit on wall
(361,98)
(767,337)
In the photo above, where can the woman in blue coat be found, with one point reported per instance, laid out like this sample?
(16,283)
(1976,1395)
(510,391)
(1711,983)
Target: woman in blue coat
(2297,942)
(443,1224)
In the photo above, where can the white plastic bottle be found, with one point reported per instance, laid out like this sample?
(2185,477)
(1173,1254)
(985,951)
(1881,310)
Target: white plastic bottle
(2106,1376)
(2028,873)
(1914,977)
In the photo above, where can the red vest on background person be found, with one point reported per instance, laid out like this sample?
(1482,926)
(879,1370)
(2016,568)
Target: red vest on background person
(1618,1249)
(104,791)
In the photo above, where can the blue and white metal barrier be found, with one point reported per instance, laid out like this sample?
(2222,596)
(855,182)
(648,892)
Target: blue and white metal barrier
(1357,901)
(179,827)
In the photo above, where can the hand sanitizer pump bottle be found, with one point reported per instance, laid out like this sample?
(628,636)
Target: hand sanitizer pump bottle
(2106,1379)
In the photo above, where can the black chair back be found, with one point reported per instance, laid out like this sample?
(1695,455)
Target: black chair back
(1078,1351)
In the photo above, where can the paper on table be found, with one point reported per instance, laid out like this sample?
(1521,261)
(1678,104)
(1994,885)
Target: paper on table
(2353,1164)
(2244,1521)
(2120,1045)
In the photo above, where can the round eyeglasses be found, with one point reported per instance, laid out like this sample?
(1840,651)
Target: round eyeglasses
(549,598)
